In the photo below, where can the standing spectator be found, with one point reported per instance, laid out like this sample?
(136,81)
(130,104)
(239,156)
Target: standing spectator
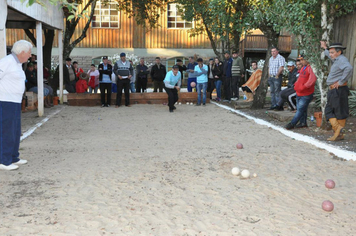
(12,87)
(141,74)
(218,72)
(69,76)
(93,79)
(133,79)
(105,71)
(250,87)
(77,69)
(158,73)
(172,83)
(191,76)
(275,71)
(227,77)
(82,84)
(304,88)
(286,95)
(182,68)
(113,79)
(337,105)
(237,72)
(201,72)
(124,71)
(210,77)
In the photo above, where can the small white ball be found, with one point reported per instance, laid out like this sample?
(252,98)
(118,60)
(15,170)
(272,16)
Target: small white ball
(187,103)
(254,175)
(245,174)
(191,103)
(235,171)
(176,103)
(179,103)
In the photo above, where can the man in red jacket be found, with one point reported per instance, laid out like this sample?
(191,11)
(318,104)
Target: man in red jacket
(304,88)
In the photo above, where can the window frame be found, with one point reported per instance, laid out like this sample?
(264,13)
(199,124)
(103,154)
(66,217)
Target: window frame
(175,17)
(109,8)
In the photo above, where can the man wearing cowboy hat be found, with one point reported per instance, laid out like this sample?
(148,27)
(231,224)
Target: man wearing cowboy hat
(337,106)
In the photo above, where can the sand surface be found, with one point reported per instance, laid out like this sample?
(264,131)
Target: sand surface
(145,171)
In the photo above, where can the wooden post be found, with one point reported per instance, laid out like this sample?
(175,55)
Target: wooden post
(3,16)
(39,68)
(60,54)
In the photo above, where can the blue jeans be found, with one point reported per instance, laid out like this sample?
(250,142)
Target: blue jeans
(10,132)
(218,88)
(114,88)
(302,109)
(275,87)
(132,87)
(35,90)
(201,86)
(190,80)
(95,90)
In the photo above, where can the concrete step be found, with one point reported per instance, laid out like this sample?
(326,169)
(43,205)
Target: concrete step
(284,116)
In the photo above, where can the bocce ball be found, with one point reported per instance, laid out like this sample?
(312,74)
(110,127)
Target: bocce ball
(245,174)
(327,206)
(330,184)
(255,175)
(193,84)
(239,146)
(187,103)
(191,103)
(235,171)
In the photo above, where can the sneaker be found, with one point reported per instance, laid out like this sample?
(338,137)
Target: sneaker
(278,108)
(289,126)
(128,105)
(9,167)
(20,162)
(233,99)
(102,105)
(107,105)
(197,104)
(272,108)
(203,104)
(174,107)
(301,125)
(170,110)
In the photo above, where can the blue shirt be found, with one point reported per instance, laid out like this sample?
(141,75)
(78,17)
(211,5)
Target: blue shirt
(171,80)
(106,78)
(201,73)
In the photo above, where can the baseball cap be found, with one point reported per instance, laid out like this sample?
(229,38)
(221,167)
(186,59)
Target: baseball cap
(105,57)
(175,67)
(122,54)
(290,63)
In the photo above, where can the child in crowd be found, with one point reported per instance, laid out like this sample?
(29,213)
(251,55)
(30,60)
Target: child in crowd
(82,85)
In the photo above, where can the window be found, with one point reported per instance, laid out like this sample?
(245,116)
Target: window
(175,20)
(106,15)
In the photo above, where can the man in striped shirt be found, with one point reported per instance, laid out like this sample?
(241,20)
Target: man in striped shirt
(275,71)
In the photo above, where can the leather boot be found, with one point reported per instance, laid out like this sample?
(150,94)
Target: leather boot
(45,101)
(336,127)
(341,135)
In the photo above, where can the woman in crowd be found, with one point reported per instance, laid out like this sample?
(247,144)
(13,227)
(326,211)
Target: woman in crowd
(218,74)
(93,79)
(211,81)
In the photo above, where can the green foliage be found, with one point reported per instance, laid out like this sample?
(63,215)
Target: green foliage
(352,102)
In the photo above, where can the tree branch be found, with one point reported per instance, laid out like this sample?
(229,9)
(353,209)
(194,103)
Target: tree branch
(31,36)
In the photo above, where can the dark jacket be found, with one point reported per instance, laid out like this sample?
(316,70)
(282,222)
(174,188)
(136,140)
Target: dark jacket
(181,70)
(292,77)
(31,79)
(104,72)
(227,68)
(218,70)
(158,74)
(141,71)
(66,79)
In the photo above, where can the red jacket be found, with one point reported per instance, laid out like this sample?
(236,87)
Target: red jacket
(306,81)
(81,86)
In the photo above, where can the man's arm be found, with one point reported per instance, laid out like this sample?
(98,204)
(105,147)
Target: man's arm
(167,80)
(347,71)
(312,79)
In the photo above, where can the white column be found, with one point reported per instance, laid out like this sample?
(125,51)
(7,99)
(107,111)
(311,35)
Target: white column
(39,68)
(60,53)
(3,16)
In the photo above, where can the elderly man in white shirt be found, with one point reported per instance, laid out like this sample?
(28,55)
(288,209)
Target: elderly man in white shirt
(12,87)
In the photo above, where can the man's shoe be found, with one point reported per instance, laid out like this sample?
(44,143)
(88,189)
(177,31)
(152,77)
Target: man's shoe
(203,104)
(289,126)
(20,162)
(102,105)
(128,105)
(174,107)
(233,99)
(9,167)
(170,110)
(301,125)
(107,105)
(198,104)
(272,108)
(278,108)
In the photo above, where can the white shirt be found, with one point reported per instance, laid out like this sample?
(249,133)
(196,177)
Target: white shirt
(12,79)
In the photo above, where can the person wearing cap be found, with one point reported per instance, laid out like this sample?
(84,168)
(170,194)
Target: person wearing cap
(12,87)
(237,72)
(77,69)
(105,82)
(201,72)
(69,76)
(211,81)
(304,87)
(227,77)
(253,82)
(287,94)
(275,72)
(141,74)
(172,83)
(82,84)
(124,71)
(182,68)
(158,73)
(337,105)
(191,76)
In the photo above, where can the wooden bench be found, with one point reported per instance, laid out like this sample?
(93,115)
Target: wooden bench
(81,99)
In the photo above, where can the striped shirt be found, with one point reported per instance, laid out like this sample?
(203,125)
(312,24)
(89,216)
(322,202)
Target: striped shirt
(341,70)
(275,64)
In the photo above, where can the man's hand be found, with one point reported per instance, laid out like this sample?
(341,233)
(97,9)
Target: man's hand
(119,76)
(323,44)
(336,85)
(130,76)
(177,87)
(242,75)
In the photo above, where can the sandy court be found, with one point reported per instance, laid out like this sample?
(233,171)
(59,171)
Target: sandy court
(145,171)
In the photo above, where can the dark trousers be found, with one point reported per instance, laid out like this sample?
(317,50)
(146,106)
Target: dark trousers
(288,95)
(123,84)
(158,85)
(227,88)
(141,84)
(105,88)
(10,132)
(337,105)
(70,87)
(172,97)
(211,86)
(235,82)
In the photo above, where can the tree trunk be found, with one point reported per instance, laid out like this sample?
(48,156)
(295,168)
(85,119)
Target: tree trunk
(260,96)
